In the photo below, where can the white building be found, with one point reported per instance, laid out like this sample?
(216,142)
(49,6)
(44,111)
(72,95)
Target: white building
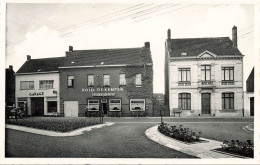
(204,76)
(249,95)
(37,86)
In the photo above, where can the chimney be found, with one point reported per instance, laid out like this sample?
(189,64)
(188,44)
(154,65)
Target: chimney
(147,45)
(70,48)
(11,67)
(169,34)
(28,57)
(234,36)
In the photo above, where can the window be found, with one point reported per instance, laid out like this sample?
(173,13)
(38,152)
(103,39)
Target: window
(70,81)
(106,80)
(205,73)
(184,101)
(93,105)
(138,80)
(227,101)
(227,74)
(27,85)
(137,104)
(114,105)
(184,76)
(122,79)
(46,84)
(52,106)
(91,80)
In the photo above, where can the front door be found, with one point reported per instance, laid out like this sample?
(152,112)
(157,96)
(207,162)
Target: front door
(37,106)
(205,103)
(251,106)
(104,108)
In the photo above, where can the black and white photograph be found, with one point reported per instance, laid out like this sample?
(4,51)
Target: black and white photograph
(130,82)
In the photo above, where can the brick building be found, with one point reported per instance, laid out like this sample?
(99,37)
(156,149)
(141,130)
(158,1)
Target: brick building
(9,86)
(204,76)
(118,82)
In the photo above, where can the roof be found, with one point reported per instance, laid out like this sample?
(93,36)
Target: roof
(250,82)
(41,65)
(195,46)
(108,57)
(88,58)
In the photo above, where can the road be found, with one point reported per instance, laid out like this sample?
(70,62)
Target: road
(124,139)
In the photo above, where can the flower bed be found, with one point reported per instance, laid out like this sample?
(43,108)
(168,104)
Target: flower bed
(182,134)
(238,148)
(54,124)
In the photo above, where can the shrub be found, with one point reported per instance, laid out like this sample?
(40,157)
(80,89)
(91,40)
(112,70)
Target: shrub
(183,134)
(237,147)
(60,125)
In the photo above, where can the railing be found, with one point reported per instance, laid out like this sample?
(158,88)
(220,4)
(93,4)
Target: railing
(207,84)
(227,82)
(186,83)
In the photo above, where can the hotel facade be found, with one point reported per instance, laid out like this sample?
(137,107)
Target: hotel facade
(117,82)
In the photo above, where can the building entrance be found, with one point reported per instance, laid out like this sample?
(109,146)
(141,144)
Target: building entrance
(251,106)
(37,106)
(104,107)
(205,103)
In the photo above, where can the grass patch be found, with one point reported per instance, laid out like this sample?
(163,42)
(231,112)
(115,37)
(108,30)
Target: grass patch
(55,124)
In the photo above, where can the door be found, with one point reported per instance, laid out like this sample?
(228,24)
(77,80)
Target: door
(71,108)
(205,103)
(104,108)
(251,106)
(37,106)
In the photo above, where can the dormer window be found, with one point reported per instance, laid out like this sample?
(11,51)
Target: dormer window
(183,54)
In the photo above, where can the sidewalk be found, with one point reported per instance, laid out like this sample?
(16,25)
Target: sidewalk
(57,134)
(201,150)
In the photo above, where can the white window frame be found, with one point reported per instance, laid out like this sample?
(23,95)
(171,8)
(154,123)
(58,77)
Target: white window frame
(70,78)
(93,104)
(28,85)
(138,80)
(89,78)
(122,80)
(118,104)
(106,81)
(46,84)
(131,106)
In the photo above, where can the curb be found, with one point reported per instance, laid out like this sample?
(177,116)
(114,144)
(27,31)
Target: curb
(77,132)
(200,150)
(248,128)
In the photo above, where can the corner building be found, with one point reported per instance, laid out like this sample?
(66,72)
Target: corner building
(204,76)
(118,82)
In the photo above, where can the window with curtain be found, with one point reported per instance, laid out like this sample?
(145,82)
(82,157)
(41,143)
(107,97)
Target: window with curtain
(138,79)
(46,84)
(205,72)
(91,80)
(185,101)
(122,80)
(227,101)
(106,80)
(227,75)
(184,74)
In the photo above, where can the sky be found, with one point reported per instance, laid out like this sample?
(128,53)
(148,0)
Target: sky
(47,30)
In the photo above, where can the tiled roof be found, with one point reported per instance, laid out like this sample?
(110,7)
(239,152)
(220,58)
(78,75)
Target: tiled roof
(41,65)
(108,56)
(250,82)
(196,46)
(89,57)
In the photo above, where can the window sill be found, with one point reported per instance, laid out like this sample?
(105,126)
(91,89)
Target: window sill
(138,86)
(25,89)
(227,111)
(45,88)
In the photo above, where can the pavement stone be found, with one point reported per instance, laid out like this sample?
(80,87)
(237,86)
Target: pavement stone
(201,150)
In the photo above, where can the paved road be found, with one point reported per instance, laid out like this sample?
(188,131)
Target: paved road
(117,141)
(125,139)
